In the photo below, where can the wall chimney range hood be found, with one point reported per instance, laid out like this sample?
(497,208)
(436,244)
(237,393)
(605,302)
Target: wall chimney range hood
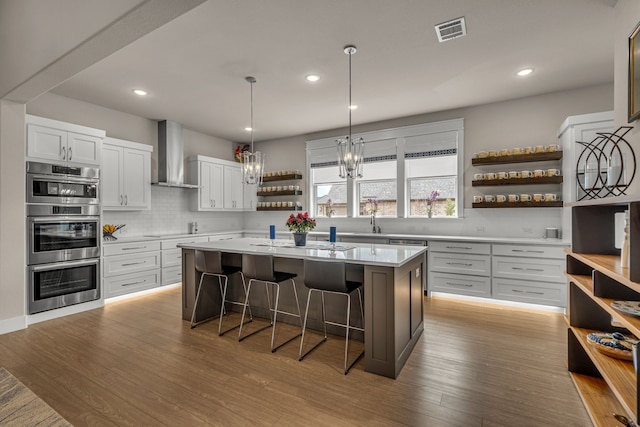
(170,155)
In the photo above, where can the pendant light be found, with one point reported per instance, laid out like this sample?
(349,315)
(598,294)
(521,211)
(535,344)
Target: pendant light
(350,152)
(252,161)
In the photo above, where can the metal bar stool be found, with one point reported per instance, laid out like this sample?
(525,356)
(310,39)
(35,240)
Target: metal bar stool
(330,277)
(209,263)
(259,268)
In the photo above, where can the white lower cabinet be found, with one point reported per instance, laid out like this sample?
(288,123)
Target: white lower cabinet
(130,267)
(172,258)
(514,272)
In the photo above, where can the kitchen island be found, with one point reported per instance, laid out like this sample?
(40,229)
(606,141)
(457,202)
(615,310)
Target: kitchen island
(393,278)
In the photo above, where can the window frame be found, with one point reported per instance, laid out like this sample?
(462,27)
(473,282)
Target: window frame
(398,135)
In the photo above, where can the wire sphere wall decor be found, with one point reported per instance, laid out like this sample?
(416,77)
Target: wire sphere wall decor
(606,166)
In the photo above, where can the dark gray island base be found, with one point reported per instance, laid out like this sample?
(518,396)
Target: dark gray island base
(393,293)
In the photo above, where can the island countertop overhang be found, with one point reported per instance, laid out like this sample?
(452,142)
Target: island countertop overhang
(383,255)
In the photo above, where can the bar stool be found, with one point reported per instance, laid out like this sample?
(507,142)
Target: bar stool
(259,268)
(330,277)
(209,263)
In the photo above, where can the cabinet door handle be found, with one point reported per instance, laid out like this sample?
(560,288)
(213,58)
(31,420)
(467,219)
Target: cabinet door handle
(64,153)
(134,263)
(134,283)
(466,285)
(527,250)
(518,291)
(126,200)
(121,200)
(460,263)
(459,247)
(527,269)
(70,153)
(137,247)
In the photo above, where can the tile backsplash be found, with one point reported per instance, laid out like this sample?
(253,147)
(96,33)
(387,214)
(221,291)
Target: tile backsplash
(170,214)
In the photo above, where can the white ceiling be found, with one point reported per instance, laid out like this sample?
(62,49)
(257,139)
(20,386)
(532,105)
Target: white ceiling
(194,66)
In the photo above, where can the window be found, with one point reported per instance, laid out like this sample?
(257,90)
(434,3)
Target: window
(412,171)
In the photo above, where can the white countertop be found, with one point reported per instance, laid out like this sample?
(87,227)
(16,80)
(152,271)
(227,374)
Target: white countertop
(352,253)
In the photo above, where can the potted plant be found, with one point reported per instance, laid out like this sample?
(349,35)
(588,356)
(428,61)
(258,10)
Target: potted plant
(300,225)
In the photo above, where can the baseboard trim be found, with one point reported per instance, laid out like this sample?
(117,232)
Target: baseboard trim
(13,324)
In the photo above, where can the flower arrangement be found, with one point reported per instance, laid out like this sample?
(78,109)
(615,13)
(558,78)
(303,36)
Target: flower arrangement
(330,211)
(301,223)
(373,205)
(431,201)
(239,153)
(109,229)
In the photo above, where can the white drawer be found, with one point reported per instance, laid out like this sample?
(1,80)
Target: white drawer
(229,236)
(479,265)
(171,257)
(531,292)
(539,269)
(171,275)
(459,284)
(460,247)
(173,243)
(122,264)
(556,252)
(128,283)
(130,248)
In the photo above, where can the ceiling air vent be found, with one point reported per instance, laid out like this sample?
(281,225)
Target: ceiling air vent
(451,29)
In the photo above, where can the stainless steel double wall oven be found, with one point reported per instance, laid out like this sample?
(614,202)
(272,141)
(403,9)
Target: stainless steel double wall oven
(63,235)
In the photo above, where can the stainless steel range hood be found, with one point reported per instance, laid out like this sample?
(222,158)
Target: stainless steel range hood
(170,155)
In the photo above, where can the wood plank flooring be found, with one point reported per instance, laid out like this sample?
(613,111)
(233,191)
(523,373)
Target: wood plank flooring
(136,363)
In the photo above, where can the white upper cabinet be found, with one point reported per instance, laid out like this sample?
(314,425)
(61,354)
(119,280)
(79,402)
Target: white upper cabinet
(233,196)
(63,143)
(126,175)
(220,184)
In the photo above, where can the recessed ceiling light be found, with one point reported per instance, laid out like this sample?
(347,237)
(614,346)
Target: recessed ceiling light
(140,92)
(353,106)
(525,72)
(248,129)
(313,77)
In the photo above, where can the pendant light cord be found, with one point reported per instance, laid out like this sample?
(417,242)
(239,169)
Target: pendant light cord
(252,82)
(350,103)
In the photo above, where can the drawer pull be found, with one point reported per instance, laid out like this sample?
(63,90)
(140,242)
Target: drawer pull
(138,247)
(460,263)
(527,269)
(459,247)
(134,263)
(518,291)
(527,250)
(134,283)
(466,285)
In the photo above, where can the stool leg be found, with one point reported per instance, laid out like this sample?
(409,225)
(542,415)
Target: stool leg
(304,325)
(324,316)
(361,306)
(295,293)
(275,317)
(195,304)
(244,309)
(244,287)
(346,341)
(223,291)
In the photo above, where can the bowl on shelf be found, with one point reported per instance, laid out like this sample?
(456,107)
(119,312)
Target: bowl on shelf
(613,344)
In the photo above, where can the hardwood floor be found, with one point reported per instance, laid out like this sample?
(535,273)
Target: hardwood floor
(137,363)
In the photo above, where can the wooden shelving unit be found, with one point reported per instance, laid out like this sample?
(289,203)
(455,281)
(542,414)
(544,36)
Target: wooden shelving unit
(292,209)
(280,193)
(517,158)
(281,177)
(596,279)
(518,181)
(556,204)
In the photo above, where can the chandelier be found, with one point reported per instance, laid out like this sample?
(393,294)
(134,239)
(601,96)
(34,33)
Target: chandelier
(350,152)
(252,161)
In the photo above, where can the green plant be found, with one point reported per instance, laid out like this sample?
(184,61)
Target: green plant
(449,207)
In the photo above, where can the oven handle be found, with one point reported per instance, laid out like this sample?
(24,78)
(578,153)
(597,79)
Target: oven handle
(66,179)
(65,264)
(64,218)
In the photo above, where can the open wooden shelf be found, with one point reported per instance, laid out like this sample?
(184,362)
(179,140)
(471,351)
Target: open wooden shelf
(556,204)
(517,158)
(281,177)
(598,397)
(518,181)
(282,208)
(280,193)
(618,374)
(608,265)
